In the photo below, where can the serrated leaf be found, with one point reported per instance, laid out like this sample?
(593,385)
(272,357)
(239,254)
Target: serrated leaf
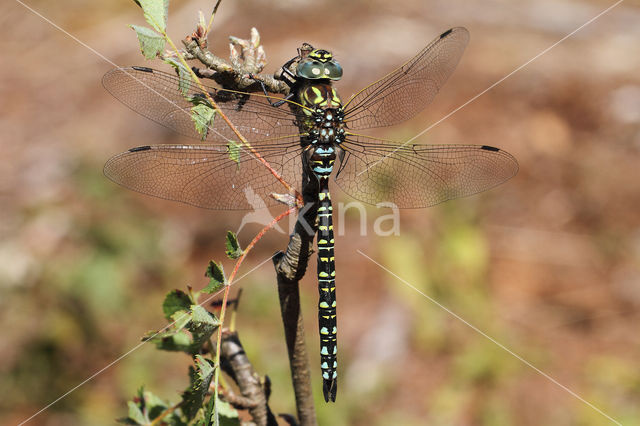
(202,116)
(228,415)
(180,319)
(175,341)
(202,325)
(188,330)
(155,405)
(175,301)
(137,410)
(216,278)
(193,398)
(184,76)
(146,407)
(136,415)
(200,315)
(208,412)
(199,99)
(233,246)
(155,12)
(151,43)
(234,150)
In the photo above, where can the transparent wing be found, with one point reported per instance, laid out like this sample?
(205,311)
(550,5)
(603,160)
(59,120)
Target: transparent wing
(208,176)
(157,96)
(413,176)
(406,91)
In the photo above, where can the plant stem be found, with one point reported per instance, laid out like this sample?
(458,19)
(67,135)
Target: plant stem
(213,14)
(230,281)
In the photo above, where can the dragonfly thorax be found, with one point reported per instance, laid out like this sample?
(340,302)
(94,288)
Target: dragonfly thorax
(327,126)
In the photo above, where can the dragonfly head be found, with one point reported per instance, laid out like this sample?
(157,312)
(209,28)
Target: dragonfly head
(319,64)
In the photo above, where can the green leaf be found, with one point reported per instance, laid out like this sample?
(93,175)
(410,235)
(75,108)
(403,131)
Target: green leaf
(136,415)
(216,278)
(234,150)
(193,398)
(228,414)
(180,319)
(146,407)
(155,12)
(155,405)
(202,115)
(233,246)
(151,43)
(199,99)
(137,410)
(203,324)
(184,82)
(175,341)
(189,330)
(175,301)
(209,411)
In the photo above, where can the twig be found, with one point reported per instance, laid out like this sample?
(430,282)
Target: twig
(213,14)
(229,76)
(165,413)
(231,278)
(238,366)
(290,268)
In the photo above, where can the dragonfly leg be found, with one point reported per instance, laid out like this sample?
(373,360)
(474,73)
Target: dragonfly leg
(266,93)
(287,72)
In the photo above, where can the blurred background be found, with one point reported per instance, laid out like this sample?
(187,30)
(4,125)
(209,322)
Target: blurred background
(547,264)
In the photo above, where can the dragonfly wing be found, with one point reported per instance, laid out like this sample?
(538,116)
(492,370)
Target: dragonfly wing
(207,176)
(406,91)
(413,176)
(158,96)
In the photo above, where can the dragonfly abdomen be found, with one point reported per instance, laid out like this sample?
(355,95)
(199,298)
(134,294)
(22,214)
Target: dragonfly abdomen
(327,288)
(321,158)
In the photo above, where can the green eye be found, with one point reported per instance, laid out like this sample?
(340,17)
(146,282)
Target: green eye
(310,69)
(333,70)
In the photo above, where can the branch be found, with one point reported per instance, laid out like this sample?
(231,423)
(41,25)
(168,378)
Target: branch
(290,268)
(236,364)
(243,77)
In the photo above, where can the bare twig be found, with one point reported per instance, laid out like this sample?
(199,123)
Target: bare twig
(230,76)
(290,268)
(213,15)
(237,365)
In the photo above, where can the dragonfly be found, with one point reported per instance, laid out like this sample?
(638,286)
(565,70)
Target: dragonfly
(309,130)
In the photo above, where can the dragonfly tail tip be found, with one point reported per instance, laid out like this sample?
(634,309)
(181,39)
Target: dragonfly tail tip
(330,389)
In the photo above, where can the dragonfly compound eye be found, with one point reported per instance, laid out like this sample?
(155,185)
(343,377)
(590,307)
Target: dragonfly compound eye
(311,69)
(333,70)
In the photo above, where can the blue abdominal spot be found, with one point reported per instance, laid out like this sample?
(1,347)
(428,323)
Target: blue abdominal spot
(322,169)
